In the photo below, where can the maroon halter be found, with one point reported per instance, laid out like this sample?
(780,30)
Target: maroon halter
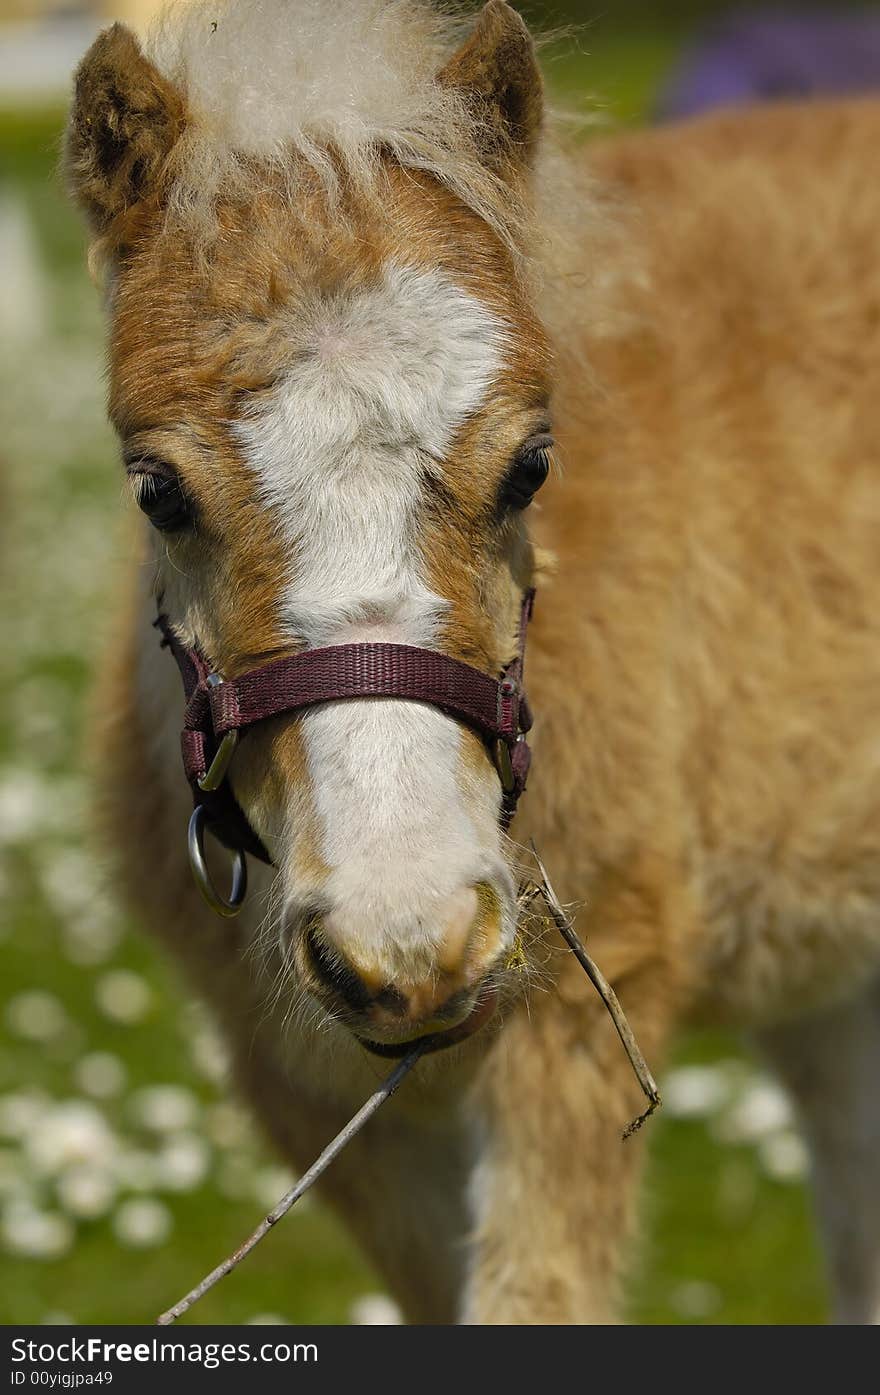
(218,710)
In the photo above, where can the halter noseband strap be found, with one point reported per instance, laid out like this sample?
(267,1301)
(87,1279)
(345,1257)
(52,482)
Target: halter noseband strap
(218,710)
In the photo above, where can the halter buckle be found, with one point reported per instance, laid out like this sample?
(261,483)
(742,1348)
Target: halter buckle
(216,773)
(504,766)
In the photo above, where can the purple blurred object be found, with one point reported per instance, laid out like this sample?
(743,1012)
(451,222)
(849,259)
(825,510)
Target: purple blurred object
(753,55)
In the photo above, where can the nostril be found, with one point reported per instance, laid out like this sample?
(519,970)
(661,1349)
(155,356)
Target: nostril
(392,1000)
(331,970)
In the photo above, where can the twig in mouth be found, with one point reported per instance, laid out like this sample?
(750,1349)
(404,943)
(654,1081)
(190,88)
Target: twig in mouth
(602,987)
(332,1151)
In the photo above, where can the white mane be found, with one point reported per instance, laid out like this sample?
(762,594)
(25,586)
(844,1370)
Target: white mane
(269,78)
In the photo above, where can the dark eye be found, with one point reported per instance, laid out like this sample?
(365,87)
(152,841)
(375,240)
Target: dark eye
(162,499)
(528,472)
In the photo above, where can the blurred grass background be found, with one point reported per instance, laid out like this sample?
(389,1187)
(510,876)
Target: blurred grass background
(125,1170)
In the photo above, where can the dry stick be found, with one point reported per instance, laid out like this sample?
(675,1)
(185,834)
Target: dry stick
(384,1092)
(606,993)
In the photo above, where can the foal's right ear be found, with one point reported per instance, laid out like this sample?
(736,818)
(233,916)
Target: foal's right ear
(124,122)
(497,69)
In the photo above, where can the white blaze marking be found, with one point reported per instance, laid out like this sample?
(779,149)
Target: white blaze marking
(381,381)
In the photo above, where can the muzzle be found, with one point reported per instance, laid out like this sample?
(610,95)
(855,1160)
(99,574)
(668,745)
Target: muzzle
(219,711)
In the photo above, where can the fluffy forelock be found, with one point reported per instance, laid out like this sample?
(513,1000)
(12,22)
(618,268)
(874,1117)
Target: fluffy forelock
(337,83)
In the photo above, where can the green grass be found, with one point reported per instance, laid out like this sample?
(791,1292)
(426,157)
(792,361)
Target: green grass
(723,1241)
(613,76)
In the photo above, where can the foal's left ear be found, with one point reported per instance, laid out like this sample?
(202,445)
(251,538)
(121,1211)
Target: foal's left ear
(123,125)
(497,67)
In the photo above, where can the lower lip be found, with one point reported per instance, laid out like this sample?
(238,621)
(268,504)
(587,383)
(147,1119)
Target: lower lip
(440,1041)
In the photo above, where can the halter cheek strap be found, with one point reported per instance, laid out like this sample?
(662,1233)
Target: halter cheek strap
(219,711)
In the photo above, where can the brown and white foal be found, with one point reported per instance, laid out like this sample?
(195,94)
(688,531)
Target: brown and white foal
(331,376)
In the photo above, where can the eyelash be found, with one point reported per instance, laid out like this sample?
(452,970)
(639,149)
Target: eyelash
(159,494)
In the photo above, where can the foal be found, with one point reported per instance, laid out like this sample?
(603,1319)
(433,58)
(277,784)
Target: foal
(321,226)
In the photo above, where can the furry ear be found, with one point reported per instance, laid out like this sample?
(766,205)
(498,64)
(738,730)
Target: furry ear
(498,69)
(124,122)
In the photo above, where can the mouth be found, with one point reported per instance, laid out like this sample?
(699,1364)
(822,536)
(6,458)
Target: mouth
(482,1011)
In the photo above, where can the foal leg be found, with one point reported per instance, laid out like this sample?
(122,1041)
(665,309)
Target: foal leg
(401,1192)
(399,1186)
(555,1191)
(831,1065)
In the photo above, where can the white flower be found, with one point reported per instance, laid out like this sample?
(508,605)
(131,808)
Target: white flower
(36,1016)
(91,936)
(164,1108)
(183,1163)
(142,1223)
(209,1054)
(375,1310)
(73,1131)
(100,1075)
(269,1185)
(32,805)
(692,1092)
(69,881)
(24,799)
(19,1112)
(784,1156)
(86,1192)
(123,996)
(136,1170)
(90,924)
(37,1234)
(763,1108)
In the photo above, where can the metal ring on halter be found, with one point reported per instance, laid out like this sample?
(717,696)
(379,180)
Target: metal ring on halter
(196,843)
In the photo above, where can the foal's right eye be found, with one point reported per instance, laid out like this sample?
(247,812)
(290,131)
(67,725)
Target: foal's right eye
(162,499)
(530,468)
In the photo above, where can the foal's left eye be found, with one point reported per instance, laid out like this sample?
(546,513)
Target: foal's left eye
(162,499)
(528,472)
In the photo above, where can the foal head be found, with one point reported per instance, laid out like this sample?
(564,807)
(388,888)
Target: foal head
(332,398)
